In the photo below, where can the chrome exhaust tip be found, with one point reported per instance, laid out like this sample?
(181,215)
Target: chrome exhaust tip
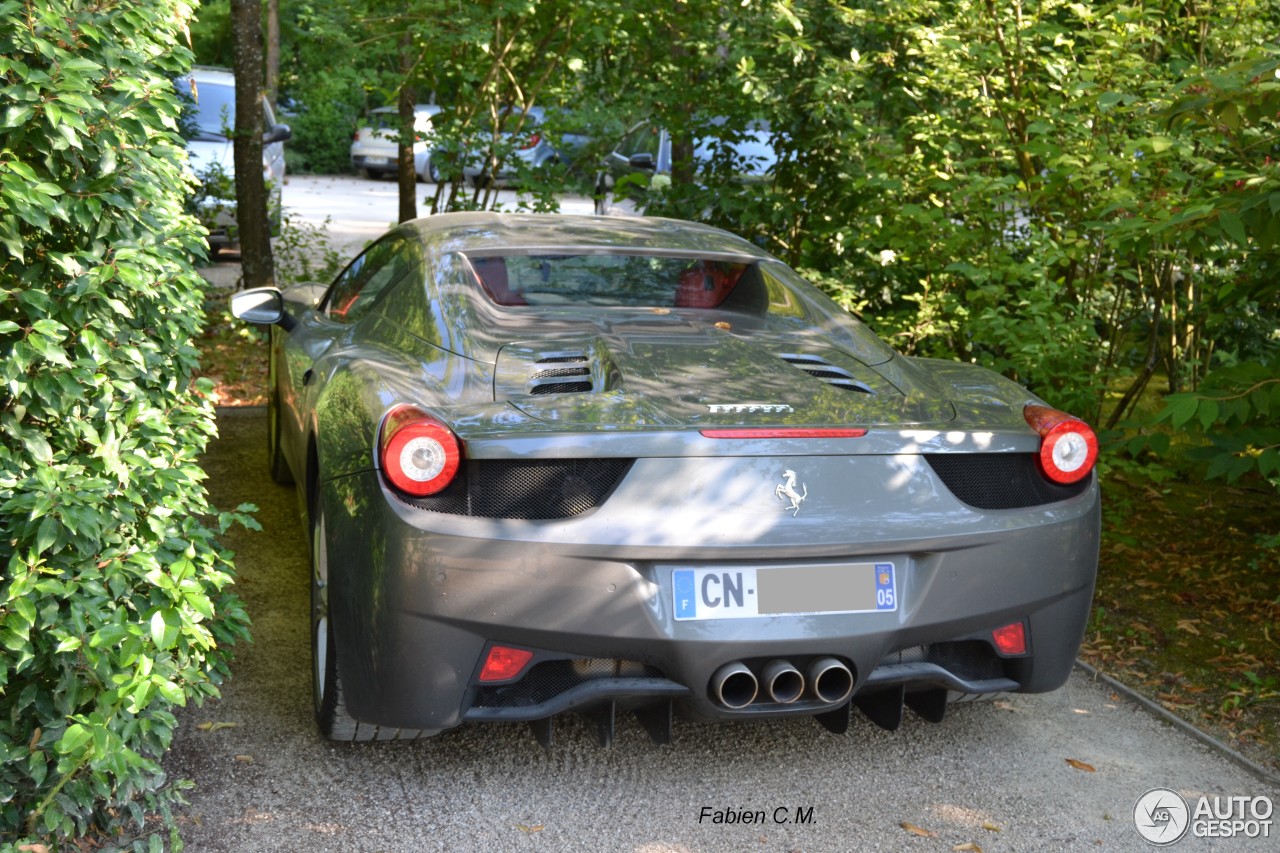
(832,681)
(734,686)
(782,682)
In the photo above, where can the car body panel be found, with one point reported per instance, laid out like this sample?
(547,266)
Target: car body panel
(375,148)
(211,154)
(422,587)
(749,152)
(526,140)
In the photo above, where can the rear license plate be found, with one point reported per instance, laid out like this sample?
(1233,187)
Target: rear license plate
(783,591)
(377,161)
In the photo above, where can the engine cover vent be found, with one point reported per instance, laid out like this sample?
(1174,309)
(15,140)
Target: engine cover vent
(563,378)
(819,368)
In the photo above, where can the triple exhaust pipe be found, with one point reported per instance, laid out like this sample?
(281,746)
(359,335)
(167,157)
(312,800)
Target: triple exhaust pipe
(734,685)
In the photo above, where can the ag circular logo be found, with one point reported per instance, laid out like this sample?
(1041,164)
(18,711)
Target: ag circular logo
(1161,816)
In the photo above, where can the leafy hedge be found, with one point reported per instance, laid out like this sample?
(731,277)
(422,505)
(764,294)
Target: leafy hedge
(114,596)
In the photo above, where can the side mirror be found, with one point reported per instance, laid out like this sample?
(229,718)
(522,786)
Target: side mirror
(262,306)
(642,161)
(277,133)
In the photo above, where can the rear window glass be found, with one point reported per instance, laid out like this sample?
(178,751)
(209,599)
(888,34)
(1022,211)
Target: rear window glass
(610,280)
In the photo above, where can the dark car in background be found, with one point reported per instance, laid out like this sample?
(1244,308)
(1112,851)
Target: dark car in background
(596,464)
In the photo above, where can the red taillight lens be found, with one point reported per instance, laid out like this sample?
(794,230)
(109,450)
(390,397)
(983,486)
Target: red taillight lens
(419,454)
(1068,448)
(1011,639)
(503,663)
(533,140)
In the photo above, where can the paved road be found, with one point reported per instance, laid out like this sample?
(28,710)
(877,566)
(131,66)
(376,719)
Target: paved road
(269,783)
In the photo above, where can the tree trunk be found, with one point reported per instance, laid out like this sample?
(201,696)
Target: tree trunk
(257,269)
(406,173)
(273,52)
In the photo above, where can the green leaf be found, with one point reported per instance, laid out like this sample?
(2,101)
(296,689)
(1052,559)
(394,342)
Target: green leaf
(1207,413)
(1233,227)
(69,644)
(73,739)
(1180,408)
(164,628)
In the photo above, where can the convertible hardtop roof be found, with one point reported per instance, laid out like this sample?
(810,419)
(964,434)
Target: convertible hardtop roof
(488,233)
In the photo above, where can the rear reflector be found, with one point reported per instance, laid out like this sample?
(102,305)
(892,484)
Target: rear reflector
(504,663)
(1011,639)
(783,433)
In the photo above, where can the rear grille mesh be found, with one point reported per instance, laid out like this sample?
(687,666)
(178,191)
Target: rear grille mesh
(531,489)
(549,679)
(1000,480)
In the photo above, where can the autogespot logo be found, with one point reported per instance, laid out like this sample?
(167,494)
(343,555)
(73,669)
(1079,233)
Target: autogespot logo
(1161,816)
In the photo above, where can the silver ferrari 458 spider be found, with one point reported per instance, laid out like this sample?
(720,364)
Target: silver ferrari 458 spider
(580,464)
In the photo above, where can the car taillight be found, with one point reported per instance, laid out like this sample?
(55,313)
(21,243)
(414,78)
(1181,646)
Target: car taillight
(532,141)
(504,663)
(1068,448)
(1011,639)
(419,454)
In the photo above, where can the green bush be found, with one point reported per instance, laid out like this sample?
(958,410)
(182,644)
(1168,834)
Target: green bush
(114,597)
(322,128)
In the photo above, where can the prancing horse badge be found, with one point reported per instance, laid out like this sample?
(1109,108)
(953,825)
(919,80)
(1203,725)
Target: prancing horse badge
(786,490)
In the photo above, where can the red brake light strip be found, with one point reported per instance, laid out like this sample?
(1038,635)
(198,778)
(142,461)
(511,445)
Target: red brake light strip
(774,432)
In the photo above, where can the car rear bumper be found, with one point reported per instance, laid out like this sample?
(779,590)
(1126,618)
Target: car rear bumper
(417,597)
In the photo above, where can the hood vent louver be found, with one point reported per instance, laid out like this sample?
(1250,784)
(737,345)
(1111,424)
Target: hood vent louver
(561,373)
(820,368)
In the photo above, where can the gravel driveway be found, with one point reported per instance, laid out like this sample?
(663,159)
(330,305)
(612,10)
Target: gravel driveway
(996,775)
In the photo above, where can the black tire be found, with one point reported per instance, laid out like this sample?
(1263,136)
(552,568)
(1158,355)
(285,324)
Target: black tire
(370,174)
(332,718)
(433,170)
(276,461)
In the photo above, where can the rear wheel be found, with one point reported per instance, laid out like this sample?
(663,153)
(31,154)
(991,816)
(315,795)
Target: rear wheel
(332,717)
(331,712)
(275,455)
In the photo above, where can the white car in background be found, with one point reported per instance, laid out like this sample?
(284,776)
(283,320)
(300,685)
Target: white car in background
(374,147)
(211,92)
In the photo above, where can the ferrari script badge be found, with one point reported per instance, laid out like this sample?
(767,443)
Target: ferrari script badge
(786,491)
(747,408)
